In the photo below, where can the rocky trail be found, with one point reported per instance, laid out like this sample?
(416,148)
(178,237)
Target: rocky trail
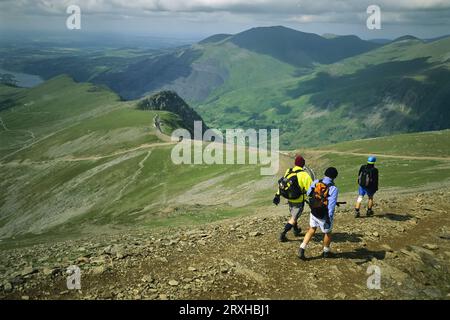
(241,258)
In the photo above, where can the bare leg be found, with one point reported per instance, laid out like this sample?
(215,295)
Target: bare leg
(358,206)
(327,240)
(308,236)
(370,204)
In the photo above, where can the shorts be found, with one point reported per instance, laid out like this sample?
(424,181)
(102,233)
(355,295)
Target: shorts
(296,209)
(325,226)
(363,191)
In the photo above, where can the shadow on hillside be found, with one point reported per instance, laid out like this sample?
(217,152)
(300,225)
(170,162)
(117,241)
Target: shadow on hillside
(395,216)
(362,255)
(340,237)
(385,86)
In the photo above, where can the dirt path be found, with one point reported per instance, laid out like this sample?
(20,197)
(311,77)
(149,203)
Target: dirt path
(240,258)
(404,157)
(3,125)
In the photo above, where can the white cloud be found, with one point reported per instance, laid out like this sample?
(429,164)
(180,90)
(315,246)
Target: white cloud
(415,13)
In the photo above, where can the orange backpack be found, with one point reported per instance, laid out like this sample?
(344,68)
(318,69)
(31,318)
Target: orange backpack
(318,200)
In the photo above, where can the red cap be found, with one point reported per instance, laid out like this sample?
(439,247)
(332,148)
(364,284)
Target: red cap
(300,161)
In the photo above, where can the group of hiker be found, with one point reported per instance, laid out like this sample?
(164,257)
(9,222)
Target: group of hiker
(298,187)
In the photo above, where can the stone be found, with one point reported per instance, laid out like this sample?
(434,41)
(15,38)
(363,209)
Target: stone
(173,283)
(49,271)
(7,287)
(147,279)
(83,260)
(192,269)
(340,296)
(376,234)
(430,246)
(391,255)
(255,234)
(25,298)
(28,270)
(99,270)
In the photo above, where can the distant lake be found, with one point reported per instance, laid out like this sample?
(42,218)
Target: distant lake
(23,79)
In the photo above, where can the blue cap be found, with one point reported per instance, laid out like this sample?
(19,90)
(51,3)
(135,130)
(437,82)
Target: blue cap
(371,160)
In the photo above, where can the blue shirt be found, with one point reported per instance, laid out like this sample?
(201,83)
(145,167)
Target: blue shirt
(332,197)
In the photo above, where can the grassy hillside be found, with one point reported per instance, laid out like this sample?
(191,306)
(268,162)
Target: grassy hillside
(92,163)
(97,165)
(420,160)
(423,144)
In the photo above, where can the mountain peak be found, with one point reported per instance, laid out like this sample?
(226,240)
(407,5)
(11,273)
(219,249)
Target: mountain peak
(170,101)
(299,48)
(407,38)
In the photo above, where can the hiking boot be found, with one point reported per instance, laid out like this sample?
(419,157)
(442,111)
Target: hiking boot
(283,237)
(357,214)
(327,254)
(369,212)
(301,254)
(297,232)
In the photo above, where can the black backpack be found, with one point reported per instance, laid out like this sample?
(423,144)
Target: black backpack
(289,186)
(366,179)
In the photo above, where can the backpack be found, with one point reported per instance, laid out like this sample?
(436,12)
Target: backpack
(365,178)
(289,186)
(318,200)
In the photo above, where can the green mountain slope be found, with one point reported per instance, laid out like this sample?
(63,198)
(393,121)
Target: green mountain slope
(90,163)
(316,90)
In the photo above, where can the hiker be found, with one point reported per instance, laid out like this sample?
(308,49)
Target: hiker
(323,195)
(293,187)
(368,184)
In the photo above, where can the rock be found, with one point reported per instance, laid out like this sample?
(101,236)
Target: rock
(255,234)
(147,279)
(99,270)
(430,246)
(163,297)
(224,269)
(340,295)
(82,260)
(192,269)
(376,234)
(387,248)
(421,250)
(28,270)
(99,260)
(433,293)
(107,250)
(49,271)
(7,287)
(173,283)
(391,255)
(25,298)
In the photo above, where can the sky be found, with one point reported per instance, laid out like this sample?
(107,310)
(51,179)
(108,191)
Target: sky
(196,19)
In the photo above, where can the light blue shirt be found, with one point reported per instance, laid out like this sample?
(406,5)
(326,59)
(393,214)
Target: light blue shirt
(332,197)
